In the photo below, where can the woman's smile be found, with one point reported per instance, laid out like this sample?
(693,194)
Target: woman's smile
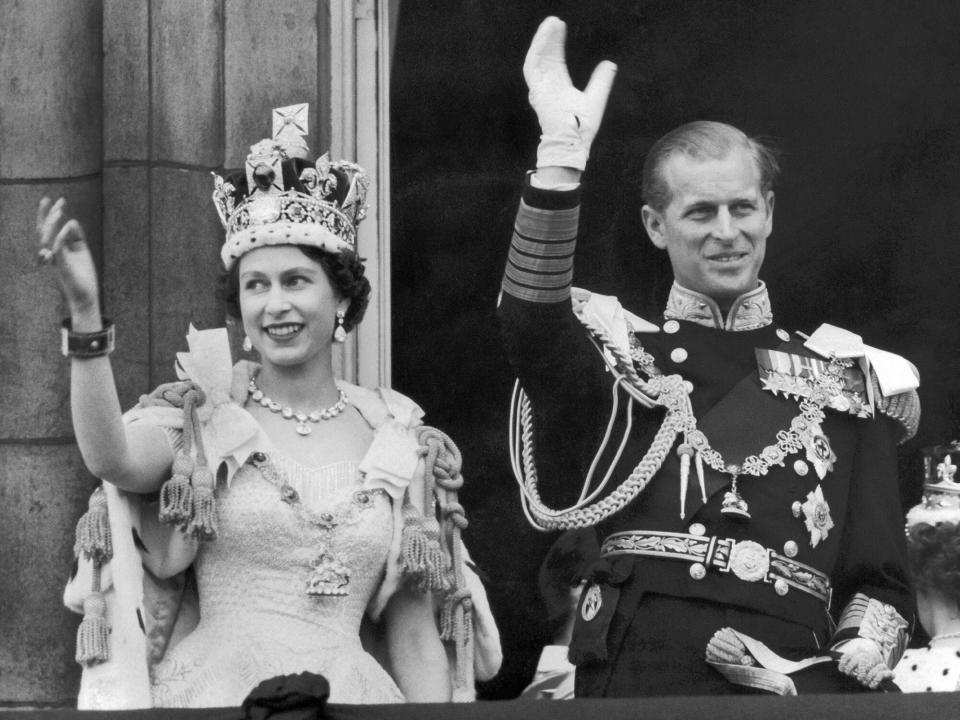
(283,331)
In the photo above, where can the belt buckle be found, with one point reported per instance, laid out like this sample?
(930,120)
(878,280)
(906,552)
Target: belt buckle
(749,561)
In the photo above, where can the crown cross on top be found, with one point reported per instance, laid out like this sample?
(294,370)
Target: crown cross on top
(946,470)
(287,199)
(290,120)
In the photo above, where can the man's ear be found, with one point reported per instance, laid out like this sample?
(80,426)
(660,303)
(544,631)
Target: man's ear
(653,222)
(769,201)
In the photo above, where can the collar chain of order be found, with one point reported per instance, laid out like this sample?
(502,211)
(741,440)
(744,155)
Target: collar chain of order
(672,393)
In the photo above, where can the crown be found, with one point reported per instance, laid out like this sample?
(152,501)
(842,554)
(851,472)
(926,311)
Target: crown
(941,493)
(282,198)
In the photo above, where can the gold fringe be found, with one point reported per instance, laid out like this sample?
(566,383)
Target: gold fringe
(456,626)
(176,495)
(442,464)
(423,561)
(93,539)
(94,542)
(94,632)
(204,522)
(187,499)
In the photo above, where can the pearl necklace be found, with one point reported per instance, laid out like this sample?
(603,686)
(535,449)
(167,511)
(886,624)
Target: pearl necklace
(288,413)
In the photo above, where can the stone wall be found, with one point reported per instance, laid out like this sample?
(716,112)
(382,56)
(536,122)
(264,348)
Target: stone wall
(124,107)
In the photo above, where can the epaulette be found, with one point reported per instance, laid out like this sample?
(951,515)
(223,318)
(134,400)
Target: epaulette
(605,312)
(893,379)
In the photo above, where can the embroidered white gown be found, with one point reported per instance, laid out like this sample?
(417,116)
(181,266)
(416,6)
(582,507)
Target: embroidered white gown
(256,618)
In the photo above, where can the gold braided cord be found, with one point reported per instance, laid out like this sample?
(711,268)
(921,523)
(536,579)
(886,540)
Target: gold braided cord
(661,390)
(667,391)
(443,481)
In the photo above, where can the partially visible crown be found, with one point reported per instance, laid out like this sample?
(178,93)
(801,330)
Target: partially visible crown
(941,492)
(282,198)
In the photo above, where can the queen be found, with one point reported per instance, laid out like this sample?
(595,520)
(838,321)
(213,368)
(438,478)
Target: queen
(265,519)
(933,551)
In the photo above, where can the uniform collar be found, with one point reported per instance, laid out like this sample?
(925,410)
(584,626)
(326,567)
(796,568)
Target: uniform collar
(750,311)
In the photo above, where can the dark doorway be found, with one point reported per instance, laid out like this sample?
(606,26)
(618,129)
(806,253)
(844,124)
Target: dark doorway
(862,97)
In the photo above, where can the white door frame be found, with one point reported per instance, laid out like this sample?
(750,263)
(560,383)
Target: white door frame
(360,129)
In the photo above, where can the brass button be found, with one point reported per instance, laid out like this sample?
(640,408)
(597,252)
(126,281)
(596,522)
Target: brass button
(781,587)
(592,602)
(800,467)
(697,529)
(678,355)
(698,571)
(688,386)
(783,334)
(671,326)
(796,508)
(790,549)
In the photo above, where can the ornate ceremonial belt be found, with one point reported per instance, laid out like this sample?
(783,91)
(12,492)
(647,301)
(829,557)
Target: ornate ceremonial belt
(745,559)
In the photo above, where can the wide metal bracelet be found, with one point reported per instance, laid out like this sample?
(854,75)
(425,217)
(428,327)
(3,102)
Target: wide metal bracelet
(87,345)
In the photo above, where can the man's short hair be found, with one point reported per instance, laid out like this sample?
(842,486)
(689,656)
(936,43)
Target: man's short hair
(703,139)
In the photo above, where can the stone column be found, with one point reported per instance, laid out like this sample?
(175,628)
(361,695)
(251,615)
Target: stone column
(50,144)
(124,107)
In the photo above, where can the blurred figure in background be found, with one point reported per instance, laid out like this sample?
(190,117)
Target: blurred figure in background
(933,547)
(560,582)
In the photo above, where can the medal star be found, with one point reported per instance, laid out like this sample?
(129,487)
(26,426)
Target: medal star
(770,382)
(819,452)
(816,512)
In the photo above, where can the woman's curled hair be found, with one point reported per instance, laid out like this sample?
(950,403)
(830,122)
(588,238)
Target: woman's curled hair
(933,554)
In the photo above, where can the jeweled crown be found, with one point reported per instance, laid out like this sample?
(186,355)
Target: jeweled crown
(941,491)
(282,198)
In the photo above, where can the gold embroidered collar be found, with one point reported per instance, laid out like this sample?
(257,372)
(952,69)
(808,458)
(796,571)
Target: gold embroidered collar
(750,311)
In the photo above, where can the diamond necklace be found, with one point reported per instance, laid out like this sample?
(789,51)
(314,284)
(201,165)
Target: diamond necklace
(288,413)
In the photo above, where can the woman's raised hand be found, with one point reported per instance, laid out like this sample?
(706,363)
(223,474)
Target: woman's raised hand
(63,245)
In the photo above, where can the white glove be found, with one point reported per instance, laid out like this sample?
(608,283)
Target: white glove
(725,647)
(569,119)
(861,659)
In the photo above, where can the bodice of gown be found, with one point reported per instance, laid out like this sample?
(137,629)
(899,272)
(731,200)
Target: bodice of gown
(254,575)
(277,525)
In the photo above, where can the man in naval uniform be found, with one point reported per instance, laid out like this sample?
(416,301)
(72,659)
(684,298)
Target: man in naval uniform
(751,529)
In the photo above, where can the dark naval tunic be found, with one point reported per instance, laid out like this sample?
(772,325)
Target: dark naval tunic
(818,561)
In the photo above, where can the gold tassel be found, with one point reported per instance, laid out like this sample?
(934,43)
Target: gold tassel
(93,539)
(464,641)
(94,542)
(204,522)
(176,495)
(446,621)
(422,558)
(456,625)
(442,461)
(93,633)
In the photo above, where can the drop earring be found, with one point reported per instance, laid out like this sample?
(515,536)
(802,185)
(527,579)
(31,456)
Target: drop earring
(340,335)
(247,345)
